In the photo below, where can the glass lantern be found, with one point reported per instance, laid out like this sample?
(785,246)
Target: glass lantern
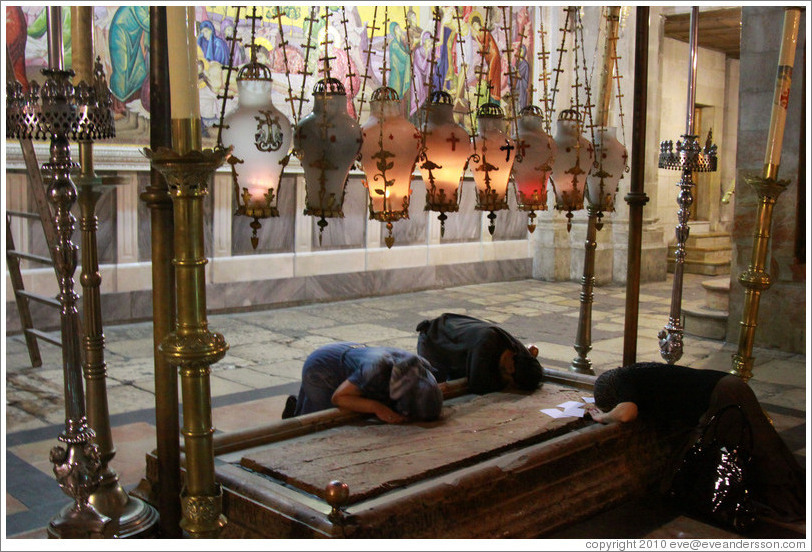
(493,160)
(389,150)
(327,141)
(534,163)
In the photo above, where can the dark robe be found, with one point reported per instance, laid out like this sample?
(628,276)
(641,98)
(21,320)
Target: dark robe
(460,346)
(667,393)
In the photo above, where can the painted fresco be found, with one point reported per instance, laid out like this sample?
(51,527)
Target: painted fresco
(355,49)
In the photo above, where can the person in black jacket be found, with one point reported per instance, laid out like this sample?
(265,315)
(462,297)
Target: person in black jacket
(460,346)
(667,394)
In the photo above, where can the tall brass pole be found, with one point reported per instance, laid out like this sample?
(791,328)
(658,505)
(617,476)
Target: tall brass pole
(77,465)
(583,339)
(191,346)
(636,198)
(157,198)
(690,158)
(755,279)
(132,516)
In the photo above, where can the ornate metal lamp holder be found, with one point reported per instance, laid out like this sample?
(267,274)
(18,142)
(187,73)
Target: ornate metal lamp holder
(689,158)
(62,112)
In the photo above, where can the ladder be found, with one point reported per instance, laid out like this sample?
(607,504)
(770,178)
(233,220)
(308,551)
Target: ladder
(13,257)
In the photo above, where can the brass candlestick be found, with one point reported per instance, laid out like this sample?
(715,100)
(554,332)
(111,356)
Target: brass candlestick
(583,339)
(132,516)
(62,112)
(191,347)
(755,279)
(690,157)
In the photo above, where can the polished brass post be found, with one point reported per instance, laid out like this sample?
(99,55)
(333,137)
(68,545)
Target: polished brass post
(755,279)
(583,338)
(132,516)
(689,158)
(77,465)
(191,346)
(636,198)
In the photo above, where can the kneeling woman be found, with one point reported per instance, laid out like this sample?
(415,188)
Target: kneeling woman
(665,393)
(393,384)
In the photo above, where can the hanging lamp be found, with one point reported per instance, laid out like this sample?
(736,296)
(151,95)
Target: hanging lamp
(575,153)
(536,151)
(261,136)
(573,161)
(389,150)
(327,141)
(447,150)
(493,161)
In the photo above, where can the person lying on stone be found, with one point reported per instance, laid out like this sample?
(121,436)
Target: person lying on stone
(461,346)
(393,384)
(664,394)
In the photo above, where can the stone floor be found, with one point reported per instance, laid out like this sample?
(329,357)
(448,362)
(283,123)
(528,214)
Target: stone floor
(267,350)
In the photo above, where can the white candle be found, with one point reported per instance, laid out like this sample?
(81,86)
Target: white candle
(783,80)
(182,57)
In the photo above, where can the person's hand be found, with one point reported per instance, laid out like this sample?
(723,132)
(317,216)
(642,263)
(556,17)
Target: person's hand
(386,414)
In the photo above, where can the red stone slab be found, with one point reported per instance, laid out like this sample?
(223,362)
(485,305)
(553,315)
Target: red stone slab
(373,458)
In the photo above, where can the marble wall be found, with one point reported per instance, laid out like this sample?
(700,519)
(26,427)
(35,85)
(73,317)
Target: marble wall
(289,265)
(782,313)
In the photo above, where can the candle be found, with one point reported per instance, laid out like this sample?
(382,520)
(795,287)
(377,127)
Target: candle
(81,18)
(182,57)
(783,80)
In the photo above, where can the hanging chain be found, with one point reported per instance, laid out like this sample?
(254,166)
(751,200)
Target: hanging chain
(326,42)
(350,73)
(617,76)
(225,96)
(558,70)
(437,18)
(458,17)
(588,105)
(283,44)
(366,76)
(411,61)
(307,46)
(385,43)
(544,76)
(481,70)
(507,28)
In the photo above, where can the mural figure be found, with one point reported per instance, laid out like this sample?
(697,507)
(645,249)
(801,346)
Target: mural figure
(490,52)
(399,72)
(446,56)
(421,59)
(129,50)
(213,47)
(522,82)
(16,36)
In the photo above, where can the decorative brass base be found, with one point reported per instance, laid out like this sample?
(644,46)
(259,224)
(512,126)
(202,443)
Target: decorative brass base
(202,518)
(755,279)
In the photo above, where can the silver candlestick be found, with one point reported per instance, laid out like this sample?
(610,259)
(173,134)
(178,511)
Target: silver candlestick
(689,157)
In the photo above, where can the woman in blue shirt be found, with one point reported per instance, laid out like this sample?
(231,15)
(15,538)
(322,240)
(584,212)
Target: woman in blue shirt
(393,384)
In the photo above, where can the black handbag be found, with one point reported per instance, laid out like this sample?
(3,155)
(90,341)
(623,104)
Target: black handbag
(712,481)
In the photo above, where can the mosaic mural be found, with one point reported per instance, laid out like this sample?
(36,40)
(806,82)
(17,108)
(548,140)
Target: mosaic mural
(391,45)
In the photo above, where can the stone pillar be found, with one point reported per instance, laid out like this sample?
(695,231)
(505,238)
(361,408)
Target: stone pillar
(781,320)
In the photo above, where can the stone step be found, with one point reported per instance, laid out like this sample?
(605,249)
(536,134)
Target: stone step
(708,268)
(717,293)
(703,322)
(710,254)
(708,239)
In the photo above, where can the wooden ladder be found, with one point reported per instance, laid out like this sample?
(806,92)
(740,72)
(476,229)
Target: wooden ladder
(13,257)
